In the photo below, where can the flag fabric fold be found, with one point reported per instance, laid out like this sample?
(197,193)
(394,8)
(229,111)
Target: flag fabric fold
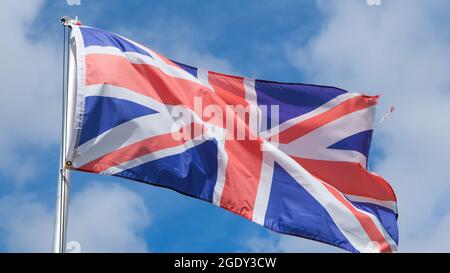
(289,156)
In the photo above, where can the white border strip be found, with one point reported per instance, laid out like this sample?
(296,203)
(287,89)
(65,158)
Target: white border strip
(264,188)
(392,205)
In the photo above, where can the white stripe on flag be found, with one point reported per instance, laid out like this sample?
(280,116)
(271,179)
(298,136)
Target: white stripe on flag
(107,90)
(203,77)
(264,187)
(387,204)
(222,161)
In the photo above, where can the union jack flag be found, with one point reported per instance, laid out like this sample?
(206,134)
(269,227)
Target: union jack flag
(299,169)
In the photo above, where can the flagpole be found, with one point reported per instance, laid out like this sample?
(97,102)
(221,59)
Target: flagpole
(63,186)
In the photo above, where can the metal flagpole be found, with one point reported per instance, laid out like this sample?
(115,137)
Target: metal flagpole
(68,97)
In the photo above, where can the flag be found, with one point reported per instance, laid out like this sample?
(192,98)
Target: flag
(291,157)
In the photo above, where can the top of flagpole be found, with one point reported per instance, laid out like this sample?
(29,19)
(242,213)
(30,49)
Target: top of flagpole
(67,21)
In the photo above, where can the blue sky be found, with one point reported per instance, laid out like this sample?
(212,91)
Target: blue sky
(399,49)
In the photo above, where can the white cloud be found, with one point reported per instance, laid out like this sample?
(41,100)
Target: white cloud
(400,50)
(26,225)
(102,218)
(108,218)
(29,73)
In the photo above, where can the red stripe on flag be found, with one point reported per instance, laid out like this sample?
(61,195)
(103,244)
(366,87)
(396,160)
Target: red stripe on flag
(140,148)
(340,110)
(244,156)
(349,178)
(141,78)
(242,176)
(229,88)
(366,222)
